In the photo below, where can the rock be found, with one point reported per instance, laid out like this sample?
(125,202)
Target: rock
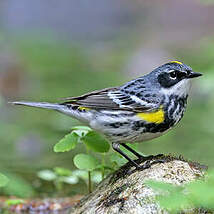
(125,191)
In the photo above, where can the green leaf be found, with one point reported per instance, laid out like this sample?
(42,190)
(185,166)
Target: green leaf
(172,197)
(81,130)
(175,201)
(72,179)
(105,167)
(201,193)
(162,186)
(11,202)
(47,175)
(81,174)
(87,162)
(62,171)
(96,142)
(67,143)
(3,180)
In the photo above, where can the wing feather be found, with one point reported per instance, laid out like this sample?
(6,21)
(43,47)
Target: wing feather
(111,99)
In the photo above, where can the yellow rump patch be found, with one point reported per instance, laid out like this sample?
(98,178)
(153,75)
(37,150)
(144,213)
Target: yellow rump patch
(177,62)
(83,108)
(152,117)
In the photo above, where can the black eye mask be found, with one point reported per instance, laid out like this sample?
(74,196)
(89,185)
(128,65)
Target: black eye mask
(168,79)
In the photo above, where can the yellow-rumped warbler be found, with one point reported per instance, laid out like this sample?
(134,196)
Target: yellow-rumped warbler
(139,110)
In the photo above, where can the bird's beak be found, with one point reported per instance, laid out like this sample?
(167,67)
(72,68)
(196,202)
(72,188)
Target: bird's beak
(193,74)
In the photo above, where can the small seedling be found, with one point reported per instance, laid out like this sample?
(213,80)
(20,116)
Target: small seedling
(93,143)
(58,176)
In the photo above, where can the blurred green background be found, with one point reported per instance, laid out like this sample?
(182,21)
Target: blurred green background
(54,49)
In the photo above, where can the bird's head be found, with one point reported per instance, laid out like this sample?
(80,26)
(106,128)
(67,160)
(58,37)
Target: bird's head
(174,78)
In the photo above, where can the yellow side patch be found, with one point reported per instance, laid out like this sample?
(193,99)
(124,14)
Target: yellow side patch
(152,117)
(177,62)
(83,108)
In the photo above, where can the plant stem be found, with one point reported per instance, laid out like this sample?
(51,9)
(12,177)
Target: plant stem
(103,164)
(59,185)
(89,182)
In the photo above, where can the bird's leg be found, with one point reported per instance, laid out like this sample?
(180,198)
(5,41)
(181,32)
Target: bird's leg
(148,159)
(137,154)
(116,147)
(132,151)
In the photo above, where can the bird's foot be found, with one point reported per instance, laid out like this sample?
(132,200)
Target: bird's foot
(149,161)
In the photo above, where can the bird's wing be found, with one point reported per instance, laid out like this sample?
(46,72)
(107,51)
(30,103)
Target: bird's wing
(112,99)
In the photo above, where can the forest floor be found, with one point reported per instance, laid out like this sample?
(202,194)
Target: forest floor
(35,206)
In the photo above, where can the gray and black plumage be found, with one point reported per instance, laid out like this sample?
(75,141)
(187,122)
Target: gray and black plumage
(139,110)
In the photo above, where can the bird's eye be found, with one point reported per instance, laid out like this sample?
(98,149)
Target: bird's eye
(173,75)
(188,72)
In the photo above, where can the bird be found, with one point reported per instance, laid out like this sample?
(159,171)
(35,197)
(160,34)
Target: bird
(137,111)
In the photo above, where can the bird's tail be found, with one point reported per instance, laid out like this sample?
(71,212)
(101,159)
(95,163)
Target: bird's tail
(65,109)
(45,105)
